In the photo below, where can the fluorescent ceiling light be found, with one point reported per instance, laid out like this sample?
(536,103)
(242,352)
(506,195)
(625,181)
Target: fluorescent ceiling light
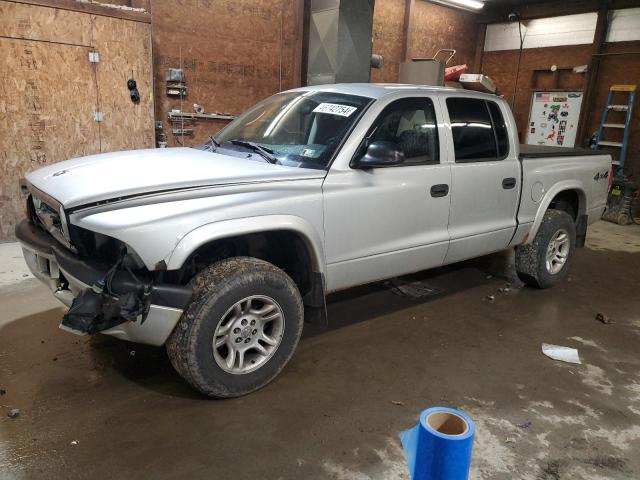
(472,4)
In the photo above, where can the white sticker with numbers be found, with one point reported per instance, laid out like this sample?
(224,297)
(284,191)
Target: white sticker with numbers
(335,109)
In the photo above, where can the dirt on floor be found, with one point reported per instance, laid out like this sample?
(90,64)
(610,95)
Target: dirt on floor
(467,337)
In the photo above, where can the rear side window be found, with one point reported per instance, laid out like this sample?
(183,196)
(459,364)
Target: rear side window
(478,128)
(500,128)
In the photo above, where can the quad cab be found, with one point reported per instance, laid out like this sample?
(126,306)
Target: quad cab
(220,252)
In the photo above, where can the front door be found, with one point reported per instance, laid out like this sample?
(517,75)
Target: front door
(387,221)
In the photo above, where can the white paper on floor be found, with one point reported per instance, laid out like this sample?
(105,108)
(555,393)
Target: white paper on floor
(564,354)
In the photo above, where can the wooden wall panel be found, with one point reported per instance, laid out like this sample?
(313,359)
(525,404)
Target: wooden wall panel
(436,27)
(234,53)
(41,124)
(138,10)
(125,52)
(388,26)
(501,66)
(49,92)
(432,27)
(43,23)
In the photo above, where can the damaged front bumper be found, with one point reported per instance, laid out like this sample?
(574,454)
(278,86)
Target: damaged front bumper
(67,275)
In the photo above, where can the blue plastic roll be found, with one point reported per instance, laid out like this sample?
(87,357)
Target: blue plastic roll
(439,446)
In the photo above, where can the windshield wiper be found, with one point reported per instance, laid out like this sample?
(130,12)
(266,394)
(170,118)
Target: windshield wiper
(264,152)
(213,143)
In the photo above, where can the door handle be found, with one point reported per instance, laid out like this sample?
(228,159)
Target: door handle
(440,190)
(509,183)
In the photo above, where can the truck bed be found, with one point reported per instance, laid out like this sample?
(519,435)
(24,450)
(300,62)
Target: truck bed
(544,151)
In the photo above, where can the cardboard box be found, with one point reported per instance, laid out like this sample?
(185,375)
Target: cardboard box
(477,81)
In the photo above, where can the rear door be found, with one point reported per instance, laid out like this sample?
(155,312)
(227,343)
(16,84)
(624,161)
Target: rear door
(485,177)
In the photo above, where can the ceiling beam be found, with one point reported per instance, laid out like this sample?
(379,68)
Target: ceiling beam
(531,11)
(92,8)
(588,102)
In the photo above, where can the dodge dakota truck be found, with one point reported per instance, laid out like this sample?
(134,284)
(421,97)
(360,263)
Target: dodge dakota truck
(220,252)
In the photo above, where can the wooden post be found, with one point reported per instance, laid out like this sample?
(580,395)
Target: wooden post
(406,32)
(304,41)
(477,63)
(588,102)
(301,36)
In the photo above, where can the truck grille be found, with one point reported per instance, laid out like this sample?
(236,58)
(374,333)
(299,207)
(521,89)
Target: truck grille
(46,215)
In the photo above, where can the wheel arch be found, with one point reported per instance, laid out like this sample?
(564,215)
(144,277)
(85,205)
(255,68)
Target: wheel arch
(288,242)
(565,194)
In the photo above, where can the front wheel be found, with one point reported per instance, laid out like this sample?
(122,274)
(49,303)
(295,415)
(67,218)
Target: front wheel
(545,262)
(240,329)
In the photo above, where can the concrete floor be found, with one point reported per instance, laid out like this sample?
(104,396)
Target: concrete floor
(100,408)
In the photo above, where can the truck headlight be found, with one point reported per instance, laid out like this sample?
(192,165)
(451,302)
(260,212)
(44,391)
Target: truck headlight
(63,224)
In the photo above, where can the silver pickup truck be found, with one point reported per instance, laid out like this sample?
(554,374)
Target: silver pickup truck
(221,251)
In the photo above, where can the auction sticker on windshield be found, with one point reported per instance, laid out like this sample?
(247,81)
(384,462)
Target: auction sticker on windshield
(335,109)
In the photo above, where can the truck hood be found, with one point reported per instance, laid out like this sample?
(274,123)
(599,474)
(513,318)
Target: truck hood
(106,176)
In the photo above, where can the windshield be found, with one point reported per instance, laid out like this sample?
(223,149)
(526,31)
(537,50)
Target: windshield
(301,129)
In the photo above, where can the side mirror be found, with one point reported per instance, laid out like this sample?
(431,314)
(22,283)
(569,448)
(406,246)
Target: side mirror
(381,154)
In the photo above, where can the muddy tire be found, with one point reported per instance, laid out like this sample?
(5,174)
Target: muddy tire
(240,329)
(545,262)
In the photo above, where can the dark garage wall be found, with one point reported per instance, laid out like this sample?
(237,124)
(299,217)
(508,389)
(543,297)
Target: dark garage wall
(502,67)
(388,28)
(612,69)
(233,53)
(616,69)
(229,69)
(435,27)
(49,90)
(432,27)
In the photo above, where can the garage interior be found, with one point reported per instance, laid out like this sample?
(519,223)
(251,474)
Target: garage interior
(466,336)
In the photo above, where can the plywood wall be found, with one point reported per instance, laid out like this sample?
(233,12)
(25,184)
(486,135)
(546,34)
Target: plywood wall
(125,52)
(233,53)
(432,27)
(49,92)
(502,67)
(34,121)
(619,69)
(388,30)
(435,27)
(613,69)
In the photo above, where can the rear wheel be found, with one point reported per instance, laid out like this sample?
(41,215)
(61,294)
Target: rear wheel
(545,262)
(240,329)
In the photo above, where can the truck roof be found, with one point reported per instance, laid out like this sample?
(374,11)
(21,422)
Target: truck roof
(379,90)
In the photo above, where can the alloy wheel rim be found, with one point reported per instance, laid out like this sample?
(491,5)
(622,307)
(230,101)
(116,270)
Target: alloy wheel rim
(248,334)
(558,251)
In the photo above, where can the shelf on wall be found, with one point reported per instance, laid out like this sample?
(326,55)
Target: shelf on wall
(208,116)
